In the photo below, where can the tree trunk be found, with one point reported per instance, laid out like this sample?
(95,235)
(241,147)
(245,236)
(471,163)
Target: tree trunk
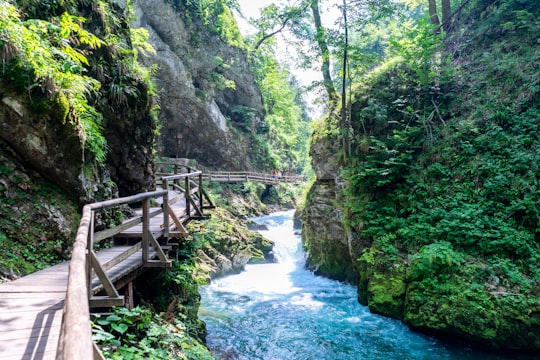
(433,12)
(325,54)
(344,123)
(446,15)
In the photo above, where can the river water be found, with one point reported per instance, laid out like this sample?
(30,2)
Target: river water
(281,311)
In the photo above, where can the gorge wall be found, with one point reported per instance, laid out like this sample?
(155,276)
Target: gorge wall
(435,213)
(209,102)
(75,124)
(90,133)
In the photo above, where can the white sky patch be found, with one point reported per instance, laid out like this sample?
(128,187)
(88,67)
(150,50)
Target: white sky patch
(284,52)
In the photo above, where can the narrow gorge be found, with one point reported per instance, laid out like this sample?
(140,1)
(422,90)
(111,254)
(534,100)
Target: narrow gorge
(418,139)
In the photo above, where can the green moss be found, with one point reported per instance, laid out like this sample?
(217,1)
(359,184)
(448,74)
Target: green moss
(363,281)
(61,107)
(38,221)
(449,182)
(463,305)
(386,292)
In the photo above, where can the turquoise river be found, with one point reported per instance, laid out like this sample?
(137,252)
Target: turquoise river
(281,311)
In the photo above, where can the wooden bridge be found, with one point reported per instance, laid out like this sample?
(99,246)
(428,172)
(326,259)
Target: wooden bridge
(46,315)
(242,176)
(234,176)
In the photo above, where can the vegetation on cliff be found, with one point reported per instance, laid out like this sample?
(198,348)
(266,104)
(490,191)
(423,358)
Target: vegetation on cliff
(262,107)
(442,176)
(70,80)
(165,323)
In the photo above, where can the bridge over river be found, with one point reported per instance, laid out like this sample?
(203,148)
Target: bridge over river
(46,315)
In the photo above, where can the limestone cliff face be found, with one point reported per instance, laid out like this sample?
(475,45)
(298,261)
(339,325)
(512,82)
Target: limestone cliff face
(332,248)
(203,83)
(48,169)
(41,141)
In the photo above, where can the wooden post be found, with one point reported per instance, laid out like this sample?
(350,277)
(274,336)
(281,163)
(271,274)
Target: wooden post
(165,207)
(145,229)
(200,192)
(89,248)
(188,196)
(165,184)
(128,295)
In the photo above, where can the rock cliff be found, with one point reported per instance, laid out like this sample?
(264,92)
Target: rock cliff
(55,122)
(329,244)
(208,98)
(437,213)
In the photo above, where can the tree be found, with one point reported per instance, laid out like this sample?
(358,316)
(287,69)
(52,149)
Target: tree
(274,21)
(344,114)
(446,14)
(433,12)
(324,53)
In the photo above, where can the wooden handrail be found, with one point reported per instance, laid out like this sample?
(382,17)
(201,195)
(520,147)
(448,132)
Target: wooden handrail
(240,176)
(75,341)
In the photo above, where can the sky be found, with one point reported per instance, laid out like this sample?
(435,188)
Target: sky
(251,10)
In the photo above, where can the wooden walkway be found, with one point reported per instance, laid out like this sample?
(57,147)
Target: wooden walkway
(46,315)
(171,167)
(32,306)
(242,176)
(31,314)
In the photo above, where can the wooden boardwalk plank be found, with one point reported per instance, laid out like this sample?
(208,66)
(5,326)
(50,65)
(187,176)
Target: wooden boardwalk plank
(31,307)
(30,326)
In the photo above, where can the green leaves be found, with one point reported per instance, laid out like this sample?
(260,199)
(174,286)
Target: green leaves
(435,259)
(286,126)
(54,67)
(119,328)
(417,46)
(140,334)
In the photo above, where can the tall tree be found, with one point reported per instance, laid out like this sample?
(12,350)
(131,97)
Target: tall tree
(324,53)
(274,21)
(446,15)
(433,12)
(344,115)
(446,10)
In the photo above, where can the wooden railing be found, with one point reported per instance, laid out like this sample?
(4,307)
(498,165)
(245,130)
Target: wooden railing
(166,168)
(240,176)
(193,191)
(75,341)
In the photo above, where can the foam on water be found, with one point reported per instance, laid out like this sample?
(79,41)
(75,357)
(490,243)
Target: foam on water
(282,311)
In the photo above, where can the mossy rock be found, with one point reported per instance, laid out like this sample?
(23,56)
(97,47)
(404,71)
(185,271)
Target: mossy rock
(457,308)
(363,282)
(386,292)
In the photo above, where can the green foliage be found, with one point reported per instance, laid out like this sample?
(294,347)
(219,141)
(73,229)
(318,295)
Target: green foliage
(434,260)
(215,16)
(46,64)
(417,45)
(138,333)
(38,221)
(242,116)
(445,170)
(286,122)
